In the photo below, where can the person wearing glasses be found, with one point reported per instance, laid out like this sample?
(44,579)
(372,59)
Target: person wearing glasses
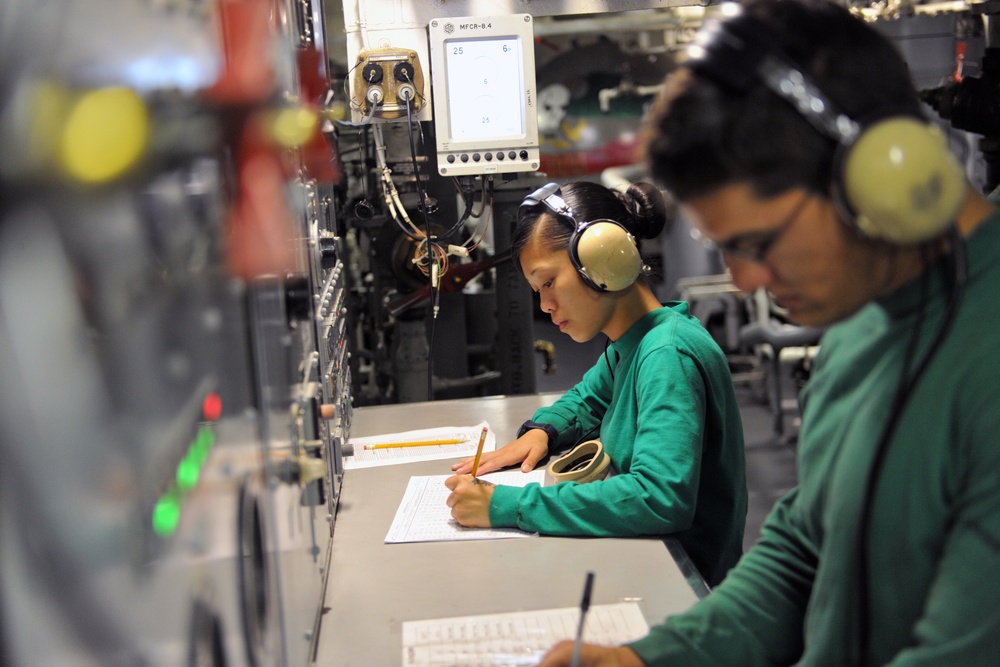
(659,400)
(793,138)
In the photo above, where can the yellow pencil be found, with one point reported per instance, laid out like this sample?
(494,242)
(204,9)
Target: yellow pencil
(423,443)
(479,452)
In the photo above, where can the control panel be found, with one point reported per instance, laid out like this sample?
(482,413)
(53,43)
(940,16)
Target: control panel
(386,80)
(483,82)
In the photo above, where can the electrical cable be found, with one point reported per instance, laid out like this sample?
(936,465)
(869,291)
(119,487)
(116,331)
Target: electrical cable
(469,200)
(416,168)
(611,370)
(365,120)
(347,89)
(903,392)
(486,227)
(435,257)
(482,207)
(393,203)
(469,203)
(435,268)
(436,280)
(426,265)
(586,436)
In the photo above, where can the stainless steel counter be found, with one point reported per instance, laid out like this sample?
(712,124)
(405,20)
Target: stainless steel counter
(373,587)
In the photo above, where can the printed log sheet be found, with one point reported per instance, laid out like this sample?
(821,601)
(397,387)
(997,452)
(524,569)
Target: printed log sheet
(518,638)
(424,516)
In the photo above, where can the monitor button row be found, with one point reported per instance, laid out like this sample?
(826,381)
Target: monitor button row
(489,157)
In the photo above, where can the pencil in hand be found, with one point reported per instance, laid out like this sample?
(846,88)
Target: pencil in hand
(479,453)
(588,586)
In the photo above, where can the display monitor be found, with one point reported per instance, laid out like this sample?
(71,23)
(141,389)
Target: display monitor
(483,88)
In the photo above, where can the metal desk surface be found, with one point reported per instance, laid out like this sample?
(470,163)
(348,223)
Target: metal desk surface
(372,587)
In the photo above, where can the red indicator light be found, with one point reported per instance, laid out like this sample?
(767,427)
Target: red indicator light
(212,407)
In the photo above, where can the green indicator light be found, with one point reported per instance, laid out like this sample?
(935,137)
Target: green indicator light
(166,514)
(204,443)
(188,471)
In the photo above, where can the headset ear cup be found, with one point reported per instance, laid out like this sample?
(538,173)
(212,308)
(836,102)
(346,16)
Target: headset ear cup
(606,256)
(900,181)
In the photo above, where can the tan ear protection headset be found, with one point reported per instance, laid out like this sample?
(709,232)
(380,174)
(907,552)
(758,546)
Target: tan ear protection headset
(603,252)
(587,462)
(895,178)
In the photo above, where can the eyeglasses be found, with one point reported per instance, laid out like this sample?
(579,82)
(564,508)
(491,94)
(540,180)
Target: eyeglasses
(755,246)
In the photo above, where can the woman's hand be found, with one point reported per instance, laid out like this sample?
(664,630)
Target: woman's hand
(591,656)
(527,450)
(469,500)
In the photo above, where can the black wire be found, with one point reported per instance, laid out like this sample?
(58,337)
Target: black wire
(586,436)
(347,80)
(470,200)
(903,392)
(368,160)
(430,258)
(487,181)
(600,422)
(416,175)
(611,370)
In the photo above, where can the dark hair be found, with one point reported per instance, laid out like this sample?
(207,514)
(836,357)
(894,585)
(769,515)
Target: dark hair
(702,135)
(641,209)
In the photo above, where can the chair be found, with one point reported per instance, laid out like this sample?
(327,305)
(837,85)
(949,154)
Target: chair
(780,342)
(723,309)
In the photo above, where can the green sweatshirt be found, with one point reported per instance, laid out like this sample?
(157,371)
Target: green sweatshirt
(934,550)
(669,420)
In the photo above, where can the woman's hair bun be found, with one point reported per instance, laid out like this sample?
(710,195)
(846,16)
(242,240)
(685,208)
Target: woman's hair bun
(648,207)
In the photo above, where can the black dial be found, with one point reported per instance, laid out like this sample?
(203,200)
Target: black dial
(403,71)
(372,73)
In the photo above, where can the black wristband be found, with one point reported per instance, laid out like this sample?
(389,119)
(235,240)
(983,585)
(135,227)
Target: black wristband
(549,429)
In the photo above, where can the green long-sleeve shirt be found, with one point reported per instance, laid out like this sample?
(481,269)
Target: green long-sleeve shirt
(934,546)
(669,420)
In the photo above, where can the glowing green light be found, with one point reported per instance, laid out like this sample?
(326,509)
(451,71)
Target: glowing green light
(166,514)
(203,443)
(188,471)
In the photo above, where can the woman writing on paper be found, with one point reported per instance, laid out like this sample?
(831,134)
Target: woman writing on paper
(660,400)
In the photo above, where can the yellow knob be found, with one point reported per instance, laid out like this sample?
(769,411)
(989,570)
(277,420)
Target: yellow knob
(311,469)
(336,110)
(293,127)
(105,134)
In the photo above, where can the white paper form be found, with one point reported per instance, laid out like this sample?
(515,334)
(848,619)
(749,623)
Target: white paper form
(369,458)
(518,638)
(424,516)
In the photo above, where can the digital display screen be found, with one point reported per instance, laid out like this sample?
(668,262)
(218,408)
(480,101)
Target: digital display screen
(483,83)
(485,88)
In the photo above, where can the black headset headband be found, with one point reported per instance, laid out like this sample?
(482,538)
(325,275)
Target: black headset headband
(740,51)
(550,196)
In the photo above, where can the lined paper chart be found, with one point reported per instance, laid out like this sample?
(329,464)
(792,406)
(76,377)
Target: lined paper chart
(517,638)
(383,450)
(424,516)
